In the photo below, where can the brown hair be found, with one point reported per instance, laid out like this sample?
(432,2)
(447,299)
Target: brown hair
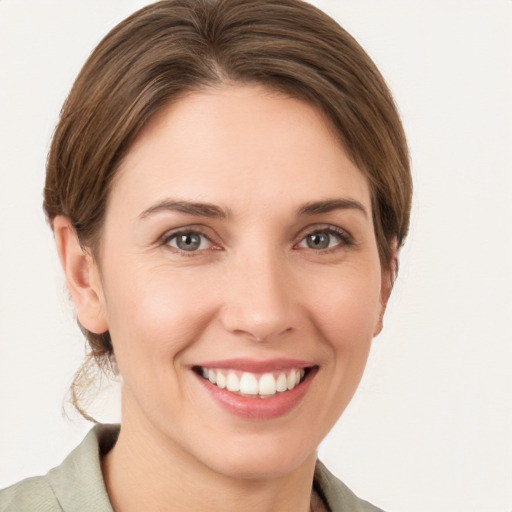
(176,46)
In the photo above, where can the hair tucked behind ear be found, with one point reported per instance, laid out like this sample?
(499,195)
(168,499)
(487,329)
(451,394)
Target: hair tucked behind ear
(172,47)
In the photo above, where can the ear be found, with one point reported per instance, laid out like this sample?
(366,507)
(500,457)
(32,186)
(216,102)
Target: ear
(82,277)
(387,280)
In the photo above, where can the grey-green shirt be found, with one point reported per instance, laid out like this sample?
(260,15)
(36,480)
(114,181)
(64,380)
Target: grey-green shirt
(77,484)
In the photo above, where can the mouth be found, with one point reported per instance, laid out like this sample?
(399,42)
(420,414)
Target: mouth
(248,384)
(257,390)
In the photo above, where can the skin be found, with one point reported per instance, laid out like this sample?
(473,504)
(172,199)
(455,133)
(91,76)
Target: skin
(254,289)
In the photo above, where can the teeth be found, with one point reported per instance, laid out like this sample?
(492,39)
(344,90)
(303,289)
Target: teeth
(248,384)
(290,380)
(265,385)
(281,383)
(232,382)
(221,380)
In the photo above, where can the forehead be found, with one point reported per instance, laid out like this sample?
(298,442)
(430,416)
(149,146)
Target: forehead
(243,144)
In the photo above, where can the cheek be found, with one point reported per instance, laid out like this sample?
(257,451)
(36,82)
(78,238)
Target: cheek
(154,314)
(347,310)
(344,312)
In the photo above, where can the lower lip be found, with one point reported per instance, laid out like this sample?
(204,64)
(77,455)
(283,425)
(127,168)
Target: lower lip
(257,408)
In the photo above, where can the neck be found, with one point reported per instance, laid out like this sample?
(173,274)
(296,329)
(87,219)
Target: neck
(144,473)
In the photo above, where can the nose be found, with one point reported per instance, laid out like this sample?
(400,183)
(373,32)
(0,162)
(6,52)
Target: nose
(260,303)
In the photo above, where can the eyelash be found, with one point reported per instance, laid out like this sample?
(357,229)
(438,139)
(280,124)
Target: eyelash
(345,240)
(168,237)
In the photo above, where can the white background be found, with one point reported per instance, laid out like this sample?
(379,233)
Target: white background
(430,428)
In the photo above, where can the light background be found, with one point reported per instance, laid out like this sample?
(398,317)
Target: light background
(431,425)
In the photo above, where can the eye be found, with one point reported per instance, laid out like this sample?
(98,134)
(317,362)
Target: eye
(322,239)
(189,241)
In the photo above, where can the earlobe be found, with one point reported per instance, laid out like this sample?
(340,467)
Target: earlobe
(81,275)
(388,278)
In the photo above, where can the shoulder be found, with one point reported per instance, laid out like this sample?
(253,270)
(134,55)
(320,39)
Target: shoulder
(32,494)
(77,484)
(337,495)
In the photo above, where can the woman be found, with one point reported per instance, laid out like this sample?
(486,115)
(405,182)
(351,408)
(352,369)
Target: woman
(228,187)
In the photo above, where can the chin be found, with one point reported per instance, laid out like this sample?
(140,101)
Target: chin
(262,457)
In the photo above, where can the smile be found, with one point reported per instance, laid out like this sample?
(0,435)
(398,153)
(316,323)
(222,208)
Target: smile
(256,390)
(249,384)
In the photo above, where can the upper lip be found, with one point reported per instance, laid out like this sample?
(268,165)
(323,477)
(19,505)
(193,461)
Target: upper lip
(257,366)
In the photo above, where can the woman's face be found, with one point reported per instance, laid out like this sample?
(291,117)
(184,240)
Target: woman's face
(239,247)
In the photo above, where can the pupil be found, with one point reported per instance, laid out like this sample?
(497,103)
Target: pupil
(188,242)
(318,241)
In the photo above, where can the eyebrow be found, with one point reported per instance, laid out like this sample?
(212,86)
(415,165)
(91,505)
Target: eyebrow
(212,211)
(319,207)
(190,208)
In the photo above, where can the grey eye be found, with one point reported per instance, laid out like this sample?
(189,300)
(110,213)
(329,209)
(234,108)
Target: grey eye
(190,241)
(320,240)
